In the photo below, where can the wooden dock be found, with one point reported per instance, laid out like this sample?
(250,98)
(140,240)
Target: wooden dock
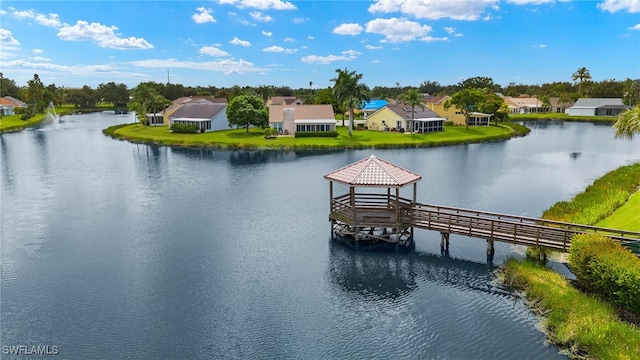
(375,216)
(387,218)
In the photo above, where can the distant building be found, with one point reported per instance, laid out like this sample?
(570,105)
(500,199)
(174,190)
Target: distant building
(206,116)
(597,107)
(289,119)
(397,117)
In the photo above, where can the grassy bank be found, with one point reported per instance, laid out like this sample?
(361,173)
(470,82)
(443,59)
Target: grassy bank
(600,199)
(361,139)
(586,326)
(12,123)
(561,116)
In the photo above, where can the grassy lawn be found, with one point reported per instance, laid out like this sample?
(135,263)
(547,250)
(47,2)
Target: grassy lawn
(237,138)
(588,327)
(627,217)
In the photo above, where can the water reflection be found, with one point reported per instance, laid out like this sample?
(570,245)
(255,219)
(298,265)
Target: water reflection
(386,275)
(249,157)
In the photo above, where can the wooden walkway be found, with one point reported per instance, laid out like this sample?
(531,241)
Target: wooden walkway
(372,211)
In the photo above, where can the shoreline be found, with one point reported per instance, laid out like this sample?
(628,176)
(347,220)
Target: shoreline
(219,140)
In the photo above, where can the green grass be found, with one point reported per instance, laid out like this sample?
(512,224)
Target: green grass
(361,139)
(561,116)
(626,217)
(600,199)
(586,326)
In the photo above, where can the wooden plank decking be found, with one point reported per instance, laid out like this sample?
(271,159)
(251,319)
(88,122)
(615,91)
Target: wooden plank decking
(372,210)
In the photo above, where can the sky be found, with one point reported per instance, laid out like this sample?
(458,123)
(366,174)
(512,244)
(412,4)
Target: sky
(300,44)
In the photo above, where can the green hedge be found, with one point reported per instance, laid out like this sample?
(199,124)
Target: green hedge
(301,134)
(607,268)
(184,128)
(600,199)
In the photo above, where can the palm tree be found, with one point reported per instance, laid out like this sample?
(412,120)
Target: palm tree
(628,123)
(582,74)
(265,92)
(349,91)
(143,95)
(413,98)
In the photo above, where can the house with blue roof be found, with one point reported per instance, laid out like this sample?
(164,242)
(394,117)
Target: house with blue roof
(368,107)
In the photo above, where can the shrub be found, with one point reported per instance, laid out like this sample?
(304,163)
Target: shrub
(607,268)
(301,134)
(184,128)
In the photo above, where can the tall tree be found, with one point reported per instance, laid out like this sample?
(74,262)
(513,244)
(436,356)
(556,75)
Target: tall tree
(113,93)
(265,92)
(628,123)
(33,95)
(465,100)
(492,104)
(581,75)
(348,90)
(413,98)
(246,110)
(142,96)
(234,92)
(478,82)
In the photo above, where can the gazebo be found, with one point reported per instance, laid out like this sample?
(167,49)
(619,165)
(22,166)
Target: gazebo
(371,217)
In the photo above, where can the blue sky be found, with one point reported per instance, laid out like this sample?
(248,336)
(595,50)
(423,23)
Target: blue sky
(291,43)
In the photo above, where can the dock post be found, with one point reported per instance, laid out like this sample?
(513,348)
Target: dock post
(444,240)
(490,248)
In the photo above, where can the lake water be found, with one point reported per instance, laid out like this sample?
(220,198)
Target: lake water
(114,250)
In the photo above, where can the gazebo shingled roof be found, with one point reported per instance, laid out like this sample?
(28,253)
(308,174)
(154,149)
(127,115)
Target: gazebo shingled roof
(373,172)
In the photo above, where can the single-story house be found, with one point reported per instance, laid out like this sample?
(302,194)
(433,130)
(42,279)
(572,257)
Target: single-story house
(289,119)
(284,100)
(8,104)
(397,117)
(479,119)
(177,104)
(524,104)
(368,107)
(597,107)
(206,116)
(559,107)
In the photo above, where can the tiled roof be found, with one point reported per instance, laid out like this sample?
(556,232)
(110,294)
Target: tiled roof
(205,110)
(404,111)
(323,111)
(373,172)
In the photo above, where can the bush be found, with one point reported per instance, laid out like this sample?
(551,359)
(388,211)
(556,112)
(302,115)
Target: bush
(184,128)
(301,134)
(607,268)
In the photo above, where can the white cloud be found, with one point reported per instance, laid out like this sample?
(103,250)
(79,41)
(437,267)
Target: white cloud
(279,49)
(310,37)
(203,16)
(449,30)
(635,27)
(375,61)
(102,35)
(37,51)
(50,20)
(632,6)
(236,41)
(260,4)
(458,34)
(288,39)
(372,47)
(348,29)
(397,30)
(540,45)
(40,58)
(226,66)
(213,50)
(7,40)
(347,55)
(435,9)
(258,16)
(433,39)
(299,20)
(530,2)
(267,33)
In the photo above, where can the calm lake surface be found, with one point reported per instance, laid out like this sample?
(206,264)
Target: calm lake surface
(113,250)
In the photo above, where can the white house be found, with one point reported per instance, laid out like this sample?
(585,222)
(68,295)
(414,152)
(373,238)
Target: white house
(597,107)
(205,115)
